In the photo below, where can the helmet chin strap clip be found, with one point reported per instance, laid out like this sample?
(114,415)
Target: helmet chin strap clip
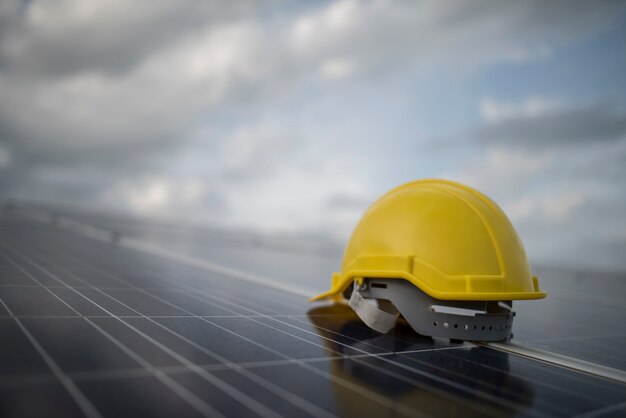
(377,318)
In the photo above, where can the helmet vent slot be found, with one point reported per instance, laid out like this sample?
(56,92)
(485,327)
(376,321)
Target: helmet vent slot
(379,285)
(466,327)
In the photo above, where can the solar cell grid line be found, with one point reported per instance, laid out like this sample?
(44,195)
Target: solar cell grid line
(552,401)
(196,403)
(461,387)
(143,255)
(354,387)
(255,377)
(458,375)
(297,401)
(297,318)
(282,298)
(241,302)
(552,388)
(388,353)
(278,315)
(261,296)
(607,346)
(608,353)
(607,356)
(270,301)
(79,376)
(199,316)
(239,315)
(253,315)
(288,396)
(451,351)
(577,338)
(426,364)
(427,375)
(251,403)
(578,326)
(593,386)
(316,371)
(53,287)
(558,388)
(174,370)
(77,395)
(540,382)
(305,340)
(257,314)
(217,291)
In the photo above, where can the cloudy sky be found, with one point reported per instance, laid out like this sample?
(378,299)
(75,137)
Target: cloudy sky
(292,117)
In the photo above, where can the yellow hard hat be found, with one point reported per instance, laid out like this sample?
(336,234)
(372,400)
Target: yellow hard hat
(447,240)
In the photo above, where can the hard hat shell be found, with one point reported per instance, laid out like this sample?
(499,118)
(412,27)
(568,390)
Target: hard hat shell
(449,240)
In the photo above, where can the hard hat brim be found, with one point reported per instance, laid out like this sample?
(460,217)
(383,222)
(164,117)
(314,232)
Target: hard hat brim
(341,282)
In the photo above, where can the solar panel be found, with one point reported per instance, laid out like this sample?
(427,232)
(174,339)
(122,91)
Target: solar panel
(94,329)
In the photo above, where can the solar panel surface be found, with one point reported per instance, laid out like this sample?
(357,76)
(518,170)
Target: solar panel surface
(584,317)
(93,329)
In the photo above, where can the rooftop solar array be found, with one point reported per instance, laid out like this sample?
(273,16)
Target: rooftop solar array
(94,329)
(584,316)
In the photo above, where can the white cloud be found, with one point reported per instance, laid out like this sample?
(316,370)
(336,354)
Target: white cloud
(115,97)
(316,30)
(107,74)
(275,179)
(494,111)
(520,209)
(296,199)
(523,55)
(514,179)
(157,100)
(337,68)
(503,168)
(250,150)
(150,197)
(557,173)
(161,196)
(558,207)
